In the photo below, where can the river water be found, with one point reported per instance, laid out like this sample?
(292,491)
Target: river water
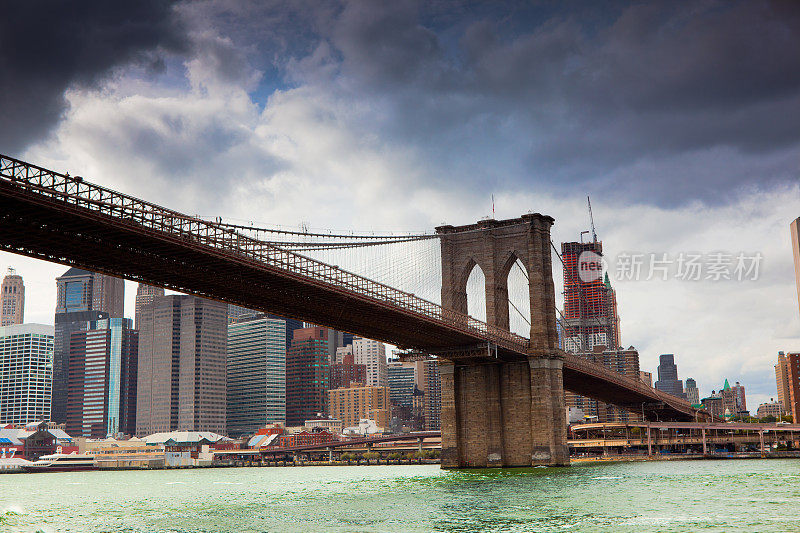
(751,495)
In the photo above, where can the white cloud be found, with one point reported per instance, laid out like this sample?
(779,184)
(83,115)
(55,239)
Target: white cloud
(321,157)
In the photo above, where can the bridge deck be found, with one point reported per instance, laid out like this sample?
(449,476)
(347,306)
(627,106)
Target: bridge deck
(67,220)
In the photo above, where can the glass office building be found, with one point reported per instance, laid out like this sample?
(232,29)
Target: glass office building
(256,373)
(81,297)
(26,373)
(181,365)
(101,390)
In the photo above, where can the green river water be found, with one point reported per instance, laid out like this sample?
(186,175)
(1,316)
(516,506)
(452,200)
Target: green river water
(752,495)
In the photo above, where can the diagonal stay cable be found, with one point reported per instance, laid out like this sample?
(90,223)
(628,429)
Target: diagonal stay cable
(518,311)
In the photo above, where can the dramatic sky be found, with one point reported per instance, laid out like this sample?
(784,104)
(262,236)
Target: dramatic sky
(680,119)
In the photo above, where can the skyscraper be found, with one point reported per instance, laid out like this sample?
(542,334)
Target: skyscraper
(347,372)
(590,303)
(181,378)
(692,392)
(236,312)
(80,290)
(372,354)
(428,393)
(734,400)
(159,365)
(307,375)
(730,400)
(26,372)
(144,295)
(793,382)
(625,362)
(12,292)
(401,390)
(344,351)
(335,341)
(291,326)
(256,373)
(101,391)
(613,310)
(81,297)
(347,338)
(782,381)
(741,398)
(794,229)
(108,294)
(668,376)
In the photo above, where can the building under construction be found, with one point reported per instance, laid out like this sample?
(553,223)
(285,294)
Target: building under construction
(590,306)
(590,325)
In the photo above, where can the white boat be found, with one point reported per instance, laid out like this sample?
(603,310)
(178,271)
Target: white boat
(62,462)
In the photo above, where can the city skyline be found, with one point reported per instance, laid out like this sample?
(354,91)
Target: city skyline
(400,266)
(298,125)
(757,398)
(89,297)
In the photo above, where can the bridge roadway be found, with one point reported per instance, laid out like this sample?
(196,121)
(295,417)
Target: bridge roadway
(67,220)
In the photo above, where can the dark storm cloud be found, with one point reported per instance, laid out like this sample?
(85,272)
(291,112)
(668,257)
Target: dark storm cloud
(662,102)
(579,97)
(47,47)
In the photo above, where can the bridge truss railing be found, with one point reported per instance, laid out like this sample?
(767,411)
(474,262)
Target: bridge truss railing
(77,192)
(602,372)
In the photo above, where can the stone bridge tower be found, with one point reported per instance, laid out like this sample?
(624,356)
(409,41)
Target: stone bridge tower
(499,413)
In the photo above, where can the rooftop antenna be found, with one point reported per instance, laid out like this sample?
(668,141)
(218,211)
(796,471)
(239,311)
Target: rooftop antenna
(591,218)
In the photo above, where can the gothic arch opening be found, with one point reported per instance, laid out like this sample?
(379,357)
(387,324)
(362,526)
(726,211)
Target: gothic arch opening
(519,298)
(476,293)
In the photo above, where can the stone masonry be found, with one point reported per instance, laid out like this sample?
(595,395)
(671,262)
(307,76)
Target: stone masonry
(503,414)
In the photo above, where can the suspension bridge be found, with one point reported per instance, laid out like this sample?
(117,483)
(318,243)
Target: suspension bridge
(502,392)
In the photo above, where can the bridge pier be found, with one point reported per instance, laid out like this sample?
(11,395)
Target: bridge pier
(503,414)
